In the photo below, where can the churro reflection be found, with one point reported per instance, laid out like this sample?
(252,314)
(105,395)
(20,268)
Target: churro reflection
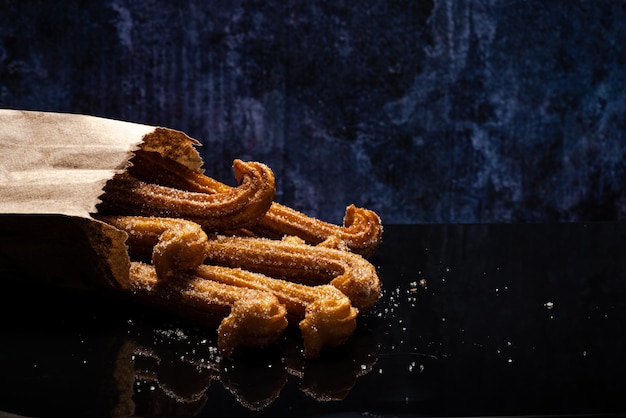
(331,377)
(146,367)
(173,370)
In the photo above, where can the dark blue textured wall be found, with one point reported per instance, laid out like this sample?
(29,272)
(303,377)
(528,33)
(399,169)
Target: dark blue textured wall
(425,111)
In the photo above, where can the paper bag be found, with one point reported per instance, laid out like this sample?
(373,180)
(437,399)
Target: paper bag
(53,168)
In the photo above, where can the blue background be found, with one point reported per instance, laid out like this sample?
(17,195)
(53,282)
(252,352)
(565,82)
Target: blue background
(425,111)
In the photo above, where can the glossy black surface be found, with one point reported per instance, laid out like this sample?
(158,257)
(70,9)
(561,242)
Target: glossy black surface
(474,320)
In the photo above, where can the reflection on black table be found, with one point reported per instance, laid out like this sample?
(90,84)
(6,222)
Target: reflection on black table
(473,320)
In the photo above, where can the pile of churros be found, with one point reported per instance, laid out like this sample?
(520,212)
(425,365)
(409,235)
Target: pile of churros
(231,256)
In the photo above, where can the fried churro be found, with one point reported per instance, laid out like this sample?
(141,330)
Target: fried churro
(361,230)
(294,260)
(170,244)
(200,245)
(237,207)
(246,317)
(324,314)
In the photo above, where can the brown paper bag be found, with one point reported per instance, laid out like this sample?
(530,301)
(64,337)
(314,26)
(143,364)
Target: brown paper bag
(53,168)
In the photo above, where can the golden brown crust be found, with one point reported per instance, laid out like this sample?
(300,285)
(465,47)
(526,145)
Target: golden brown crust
(361,230)
(296,261)
(249,317)
(289,259)
(171,244)
(324,314)
(321,286)
(238,207)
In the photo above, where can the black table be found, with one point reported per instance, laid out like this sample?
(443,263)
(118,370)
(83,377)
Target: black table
(485,320)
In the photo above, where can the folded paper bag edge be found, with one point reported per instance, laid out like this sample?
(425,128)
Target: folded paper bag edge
(53,167)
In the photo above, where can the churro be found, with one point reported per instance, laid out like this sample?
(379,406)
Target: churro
(294,260)
(246,317)
(170,244)
(361,230)
(237,207)
(324,314)
(208,241)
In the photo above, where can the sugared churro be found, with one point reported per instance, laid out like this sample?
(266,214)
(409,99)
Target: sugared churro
(317,272)
(246,317)
(171,244)
(361,230)
(238,207)
(293,260)
(324,314)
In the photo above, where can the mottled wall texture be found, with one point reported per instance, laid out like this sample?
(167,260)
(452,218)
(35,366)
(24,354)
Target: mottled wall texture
(425,111)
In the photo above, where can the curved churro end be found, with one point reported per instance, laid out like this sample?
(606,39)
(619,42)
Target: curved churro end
(180,248)
(174,244)
(253,322)
(241,168)
(247,317)
(329,320)
(325,314)
(363,231)
(232,208)
(359,282)
(261,183)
